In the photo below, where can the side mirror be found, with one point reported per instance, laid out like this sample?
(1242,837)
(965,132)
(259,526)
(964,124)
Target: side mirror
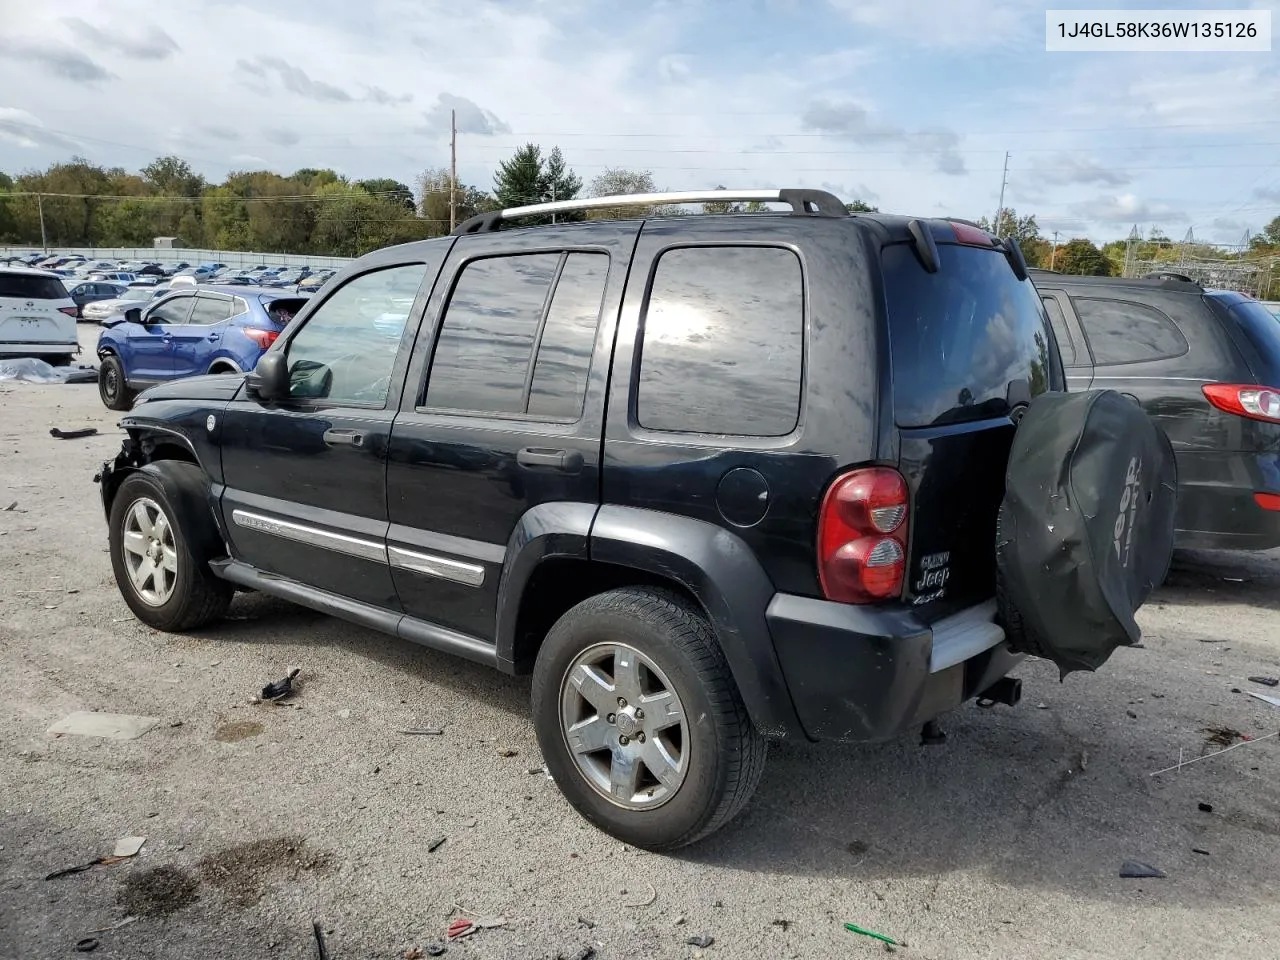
(133,315)
(269,380)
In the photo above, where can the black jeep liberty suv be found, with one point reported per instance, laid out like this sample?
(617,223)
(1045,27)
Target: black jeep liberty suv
(712,479)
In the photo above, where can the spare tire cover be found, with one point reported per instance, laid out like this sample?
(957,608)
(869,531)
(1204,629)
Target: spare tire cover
(1085,530)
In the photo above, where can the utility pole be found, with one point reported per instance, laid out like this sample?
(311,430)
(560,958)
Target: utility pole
(44,241)
(1004,182)
(1128,248)
(453,169)
(1053,254)
(553,199)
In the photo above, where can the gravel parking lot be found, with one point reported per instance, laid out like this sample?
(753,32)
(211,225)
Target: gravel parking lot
(260,819)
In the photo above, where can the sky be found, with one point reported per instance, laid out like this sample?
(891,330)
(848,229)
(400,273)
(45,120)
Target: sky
(909,105)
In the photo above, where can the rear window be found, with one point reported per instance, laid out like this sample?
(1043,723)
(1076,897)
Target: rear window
(1262,329)
(281,310)
(960,336)
(28,286)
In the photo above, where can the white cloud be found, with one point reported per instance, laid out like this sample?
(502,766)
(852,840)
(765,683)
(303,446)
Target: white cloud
(469,116)
(20,128)
(853,122)
(1127,208)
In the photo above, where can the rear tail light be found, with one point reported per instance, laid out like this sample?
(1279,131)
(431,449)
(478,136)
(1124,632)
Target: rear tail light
(69,311)
(1245,400)
(263,338)
(1267,501)
(862,536)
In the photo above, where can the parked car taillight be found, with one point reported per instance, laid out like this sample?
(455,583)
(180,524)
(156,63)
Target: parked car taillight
(1245,400)
(862,536)
(263,338)
(69,311)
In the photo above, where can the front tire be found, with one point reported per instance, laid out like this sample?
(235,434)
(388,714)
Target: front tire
(112,388)
(165,584)
(640,722)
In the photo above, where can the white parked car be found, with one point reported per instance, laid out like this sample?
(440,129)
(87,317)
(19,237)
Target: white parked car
(101,310)
(37,316)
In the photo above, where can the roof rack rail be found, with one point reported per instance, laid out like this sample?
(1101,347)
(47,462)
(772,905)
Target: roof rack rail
(808,202)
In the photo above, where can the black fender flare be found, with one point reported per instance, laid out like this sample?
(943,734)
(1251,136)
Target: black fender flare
(187,488)
(721,571)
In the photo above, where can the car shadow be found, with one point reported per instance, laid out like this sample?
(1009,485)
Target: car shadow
(1207,577)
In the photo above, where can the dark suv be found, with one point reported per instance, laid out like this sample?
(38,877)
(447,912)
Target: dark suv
(711,479)
(1205,365)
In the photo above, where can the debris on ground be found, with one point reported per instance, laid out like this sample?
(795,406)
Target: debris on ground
(653,896)
(436,844)
(1222,736)
(784,924)
(32,370)
(1265,681)
(413,953)
(128,846)
(436,949)
(702,941)
(11,507)
(1274,701)
(157,892)
(1217,753)
(280,689)
(584,922)
(585,953)
(459,928)
(1205,807)
(115,926)
(73,434)
(1137,870)
(854,928)
(87,945)
(81,868)
(424,732)
(1203,853)
(113,726)
(1132,715)
(322,952)
(508,752)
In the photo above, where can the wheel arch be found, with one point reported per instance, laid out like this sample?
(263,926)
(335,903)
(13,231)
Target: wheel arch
(551,567)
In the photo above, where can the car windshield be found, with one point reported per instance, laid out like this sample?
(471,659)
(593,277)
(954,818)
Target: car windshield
(138,293)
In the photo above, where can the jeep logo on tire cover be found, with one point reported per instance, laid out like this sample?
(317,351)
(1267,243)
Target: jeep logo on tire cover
(1128,514)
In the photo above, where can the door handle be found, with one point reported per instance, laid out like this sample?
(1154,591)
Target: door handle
(350,438)
(215,336)
(567,460)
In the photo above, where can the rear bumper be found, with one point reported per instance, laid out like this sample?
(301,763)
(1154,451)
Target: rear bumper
(27,348)
(1216,505)
(861,674)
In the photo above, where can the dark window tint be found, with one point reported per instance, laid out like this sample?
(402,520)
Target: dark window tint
(1066,346)
(209,310)
(723,342)
(1262,329)
(173,310)
(564,352)
(346,350)
(959,337)
(31,287)
(486,340)
(1121,331)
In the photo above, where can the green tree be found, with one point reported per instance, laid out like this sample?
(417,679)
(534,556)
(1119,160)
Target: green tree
(1080,256)
(390,190)
(529,178)
(173,177)
(1022,229)
(722,206)
(861,206)
(619,182)
(433,203)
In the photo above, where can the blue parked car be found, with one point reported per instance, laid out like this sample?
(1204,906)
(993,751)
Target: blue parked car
(191,331)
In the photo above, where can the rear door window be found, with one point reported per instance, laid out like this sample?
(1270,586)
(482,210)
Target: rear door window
(1262,329)
(1122,331)
(723,348)
(209,310)
(1066,346)
(26,286)
(960,337)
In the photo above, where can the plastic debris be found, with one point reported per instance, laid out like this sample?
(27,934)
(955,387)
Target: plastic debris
(1274,701)
(32,370)
(87,945)
(73,434)
(459,928)
(436,949)
(424,732)
(115,926)
(1217,753)
(128,846)
(1137,870)
(280,688)
(1265,681)
(114,726)
(784,924)
(436,844)
(81,868)
(854,928)
(413,953)
(1203,853)
(322,952)
(1205,807)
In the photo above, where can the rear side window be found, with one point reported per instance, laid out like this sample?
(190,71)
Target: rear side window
(959,337)
(723,349)
(1066,346)
(1122,331)
(1262,329)
(517,336)
(209,310)
(26,286)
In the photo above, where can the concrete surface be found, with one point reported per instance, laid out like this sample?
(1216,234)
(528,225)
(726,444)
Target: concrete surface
(1005,842)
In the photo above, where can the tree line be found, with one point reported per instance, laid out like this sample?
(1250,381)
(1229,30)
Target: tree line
(321,212)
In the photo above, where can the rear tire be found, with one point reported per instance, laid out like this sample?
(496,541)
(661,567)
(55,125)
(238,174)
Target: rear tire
(649,780)
(158,563)
(112,388)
